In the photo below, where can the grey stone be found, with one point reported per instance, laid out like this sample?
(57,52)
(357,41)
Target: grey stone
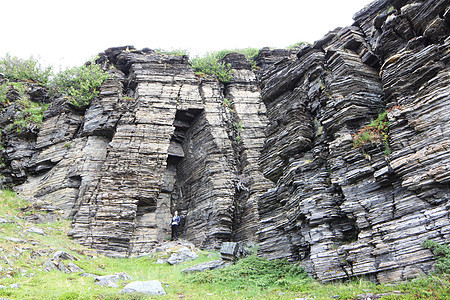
(211,265)
(4,221)
(152,287)
(36,230)
(182,255)
(111,280)
(232,250)
(62,255)
(14,239)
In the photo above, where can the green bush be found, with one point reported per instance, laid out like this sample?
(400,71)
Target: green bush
(253,271)
(211,65)
(250,54)
(80,84)
(441,253)
(297,45)
(15,68)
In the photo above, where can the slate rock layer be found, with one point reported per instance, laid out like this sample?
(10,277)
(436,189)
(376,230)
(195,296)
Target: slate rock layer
(266,158)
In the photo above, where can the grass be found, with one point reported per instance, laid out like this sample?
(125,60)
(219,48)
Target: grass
(377,131)
(251,278)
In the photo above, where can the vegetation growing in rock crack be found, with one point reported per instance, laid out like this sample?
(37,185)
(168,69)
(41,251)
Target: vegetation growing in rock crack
(212,64)
(377,131)
(442,255)
(80,84)
(19,77)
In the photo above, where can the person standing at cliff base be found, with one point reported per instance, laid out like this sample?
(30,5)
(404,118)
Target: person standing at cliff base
(174,225)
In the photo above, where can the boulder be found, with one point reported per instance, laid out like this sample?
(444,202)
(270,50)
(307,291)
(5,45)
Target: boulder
(210,265)
(111,280)
(230,251)
(152,287)
(56,263)
(182,255)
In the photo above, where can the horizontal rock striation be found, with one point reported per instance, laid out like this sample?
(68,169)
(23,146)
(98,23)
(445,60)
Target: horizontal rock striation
(343,211)
(267,157)
(156,139)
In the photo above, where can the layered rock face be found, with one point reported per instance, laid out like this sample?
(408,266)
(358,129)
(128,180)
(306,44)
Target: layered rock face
(343,211)
(267,157)
(156,140)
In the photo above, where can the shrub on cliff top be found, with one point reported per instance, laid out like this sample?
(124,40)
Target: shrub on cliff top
(18,69)
(80,84)
(210,64)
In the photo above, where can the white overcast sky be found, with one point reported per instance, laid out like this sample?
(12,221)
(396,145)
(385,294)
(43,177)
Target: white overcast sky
(67,33)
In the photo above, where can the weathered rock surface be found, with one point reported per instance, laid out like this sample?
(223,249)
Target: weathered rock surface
(57,263)
(182,255)
(343,211)
(152,287)
(206,266)
(267,157)
(111,280)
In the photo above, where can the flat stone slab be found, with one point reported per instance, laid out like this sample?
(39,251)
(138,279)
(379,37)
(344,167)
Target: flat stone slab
(210,265)
(152,287)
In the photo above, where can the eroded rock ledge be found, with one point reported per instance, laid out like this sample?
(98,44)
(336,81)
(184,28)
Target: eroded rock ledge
(267,158)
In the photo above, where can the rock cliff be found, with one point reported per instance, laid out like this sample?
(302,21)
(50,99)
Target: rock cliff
(266,158)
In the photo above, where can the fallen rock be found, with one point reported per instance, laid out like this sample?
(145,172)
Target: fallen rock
(231,251)
(110,280)
(210,265)
(36,230)
(152,287)
(184,254)
(62,255)
(56,262)
(4,221)
(13,239)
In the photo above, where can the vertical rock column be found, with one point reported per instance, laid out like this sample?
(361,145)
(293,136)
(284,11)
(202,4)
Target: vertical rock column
(206,174)
(119,216)
(248,117)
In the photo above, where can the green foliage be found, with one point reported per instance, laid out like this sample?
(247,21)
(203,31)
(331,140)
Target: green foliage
(250,54)
(253,271)
(251,278)
(80,84)
(15,68)
(442,255)
(10,203)
(175,52)
(226,102)
(211,65)
(3,90)
(375,132)
(28,113)
(297,45)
